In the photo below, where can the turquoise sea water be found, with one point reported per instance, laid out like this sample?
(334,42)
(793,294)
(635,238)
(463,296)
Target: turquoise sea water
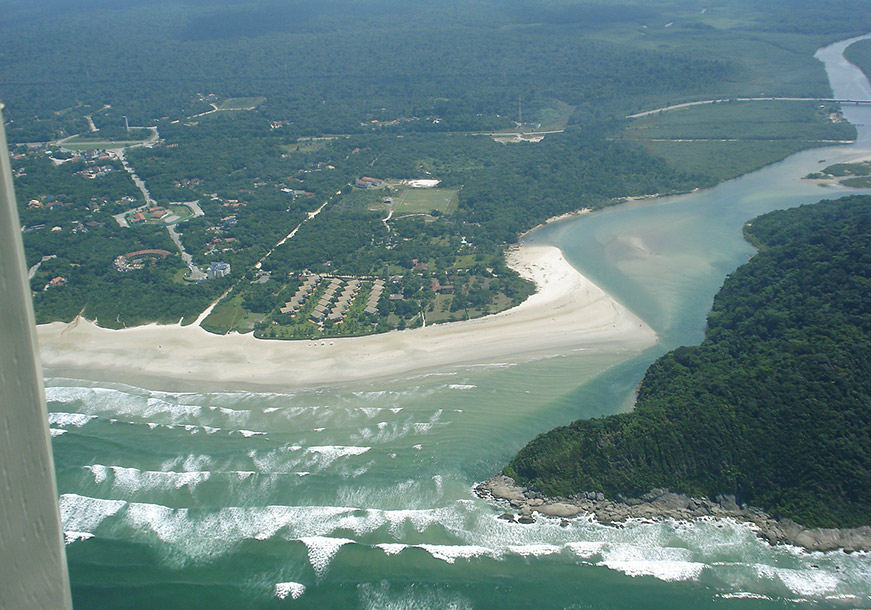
(360,496)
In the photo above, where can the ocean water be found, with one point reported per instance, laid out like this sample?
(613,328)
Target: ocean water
(360,496)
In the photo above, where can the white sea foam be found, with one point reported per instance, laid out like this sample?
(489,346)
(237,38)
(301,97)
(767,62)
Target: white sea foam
(809,583)
(744,595)
(132,479)
(665,563)
(535,550)
(462,386)
(390,548)
(668,571)
(169,524)
(395,410)
(99,471)
(322,550)
(585,550)
(69,419)
(70,537)
(84,514)
(195,463)
(328,454)
(449,553)
(56,431)
(294,590)
(250,433)
(418,596)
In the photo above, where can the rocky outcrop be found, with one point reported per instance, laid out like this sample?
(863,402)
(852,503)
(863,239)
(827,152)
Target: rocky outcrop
(663,504)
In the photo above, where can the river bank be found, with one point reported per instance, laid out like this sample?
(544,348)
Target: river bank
(659,504)
(567,312)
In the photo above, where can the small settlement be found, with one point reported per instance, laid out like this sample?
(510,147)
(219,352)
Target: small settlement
(335,301)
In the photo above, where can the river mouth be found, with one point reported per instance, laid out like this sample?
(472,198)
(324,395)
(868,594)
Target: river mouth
(360,496)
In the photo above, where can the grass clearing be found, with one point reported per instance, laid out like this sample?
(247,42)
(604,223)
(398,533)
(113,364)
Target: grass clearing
(230,315)
(725,160)
(724,140)
(776,120)
(424,200)
(555,117)
(306,145)
(241,103)
(404,199)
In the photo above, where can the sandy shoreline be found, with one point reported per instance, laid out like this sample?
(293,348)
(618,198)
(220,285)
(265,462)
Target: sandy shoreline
(567,312)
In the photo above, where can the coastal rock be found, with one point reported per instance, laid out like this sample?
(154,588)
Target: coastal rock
(664,504)
(559,509)
(526,520)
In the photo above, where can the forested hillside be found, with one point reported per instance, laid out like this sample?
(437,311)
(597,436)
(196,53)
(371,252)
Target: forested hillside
(774,406)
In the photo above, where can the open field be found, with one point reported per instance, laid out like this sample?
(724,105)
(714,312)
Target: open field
(403,199)
(423,201)
(306,145)
(775,120)
(240,103)
(555,117)
(728,139)
(723,160)
(230,315)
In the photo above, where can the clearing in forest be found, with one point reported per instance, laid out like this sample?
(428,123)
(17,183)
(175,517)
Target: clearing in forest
(240,103)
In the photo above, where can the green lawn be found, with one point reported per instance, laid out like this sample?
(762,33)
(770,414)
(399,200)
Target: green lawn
(424,200)
(230,315)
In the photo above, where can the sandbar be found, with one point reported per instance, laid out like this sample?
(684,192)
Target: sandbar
(566,313)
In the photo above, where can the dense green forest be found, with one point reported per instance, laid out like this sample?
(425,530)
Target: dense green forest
(860,54)
(774,406)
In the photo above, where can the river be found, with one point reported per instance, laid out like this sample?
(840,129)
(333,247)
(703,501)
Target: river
(360,496)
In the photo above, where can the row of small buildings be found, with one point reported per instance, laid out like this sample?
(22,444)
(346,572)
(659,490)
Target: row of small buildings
(335,312)
(336,300)
(374,297)
(302,293)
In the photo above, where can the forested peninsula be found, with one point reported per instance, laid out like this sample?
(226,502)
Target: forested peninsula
(773,409)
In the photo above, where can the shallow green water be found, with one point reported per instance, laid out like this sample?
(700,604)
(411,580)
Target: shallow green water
(360,496)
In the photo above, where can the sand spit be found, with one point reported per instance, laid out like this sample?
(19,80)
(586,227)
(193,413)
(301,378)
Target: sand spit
(567,312)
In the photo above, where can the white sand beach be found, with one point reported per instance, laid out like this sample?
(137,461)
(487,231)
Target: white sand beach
(566,313)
